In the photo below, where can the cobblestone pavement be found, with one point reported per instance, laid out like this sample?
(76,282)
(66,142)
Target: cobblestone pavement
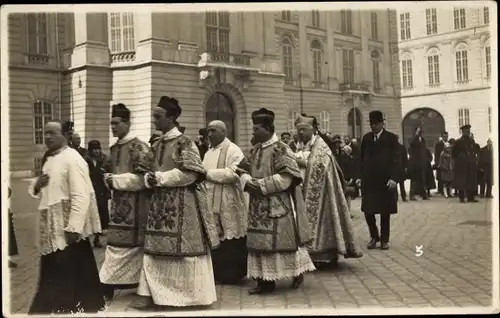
(455,268)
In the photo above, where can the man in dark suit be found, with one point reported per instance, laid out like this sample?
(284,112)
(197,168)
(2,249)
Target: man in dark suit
(417,165)
(380,168)
(404,165)
(438,149)
(464,152)
(486,167)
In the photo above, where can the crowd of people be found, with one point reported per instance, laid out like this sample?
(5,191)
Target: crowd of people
(187,215)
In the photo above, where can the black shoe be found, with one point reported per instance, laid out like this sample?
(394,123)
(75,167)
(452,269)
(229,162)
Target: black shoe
(384,246)
(372,244)
(405,200)
(262,288)
(298,281)
(425,198)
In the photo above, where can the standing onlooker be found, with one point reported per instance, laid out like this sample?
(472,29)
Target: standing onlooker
(417,165)
(380,169)
(12,236)
(438,149)
(486,165)
(404,164)
(101,164)
(202,143)
(446,169)
(477,151)
(465,177)
(429,177)
(286,137)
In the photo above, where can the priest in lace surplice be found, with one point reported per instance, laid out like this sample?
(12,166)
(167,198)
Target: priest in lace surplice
(68,216)
(278,228)
(181,230)
(326,205)
(130,159)
(226,198)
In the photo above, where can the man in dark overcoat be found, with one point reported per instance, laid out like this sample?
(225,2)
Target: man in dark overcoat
(417,165)
(404,166)
(486,166)
(380,168)
(438,149)
(465,177)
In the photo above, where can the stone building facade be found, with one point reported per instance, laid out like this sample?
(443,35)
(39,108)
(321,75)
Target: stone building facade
(446,57)
(335,65)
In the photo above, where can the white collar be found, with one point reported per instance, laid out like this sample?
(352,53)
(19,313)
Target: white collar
(225,141)
(128,137)
(171,134)
(379,133)
(274,139)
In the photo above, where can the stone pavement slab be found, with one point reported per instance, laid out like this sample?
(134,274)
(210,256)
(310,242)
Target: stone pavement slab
(455,268)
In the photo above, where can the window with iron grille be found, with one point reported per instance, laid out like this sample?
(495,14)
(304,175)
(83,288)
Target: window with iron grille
(459,18)
(346,21)
(37,33)
(121,32)
(462,66)
(287,48)
(315,18)
(405,26)
(374,25)
(431,21)
(486,15)
(218,33)
(324,121)
(286,16)
(487,53)
(376,75)
(317,58)
(407,71)
(42,113)
(348,65)
(463,117)
(433,69)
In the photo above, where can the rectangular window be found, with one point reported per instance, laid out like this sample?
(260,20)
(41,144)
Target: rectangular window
(459,18)
(37,29)
(433,69)
(374,25)
(315,18)
(292,117)
(346,21)
(218,34)
(348,65)
(317,66)
(487,53)
(376,76)
(489,119)
(407,73)
(462,66)
(288,61)
(463,117)
(121,30)
(405,26)
(431,21)
(486,15)
(42,113)
(286,16)
(324,121)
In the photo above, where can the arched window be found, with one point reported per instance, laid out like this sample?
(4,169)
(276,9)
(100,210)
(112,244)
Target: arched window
(317,60)
(433,67)
(287,48)
(121,32)
(37,33)
(324,121)
(462,63)
(43,112)
(218,34)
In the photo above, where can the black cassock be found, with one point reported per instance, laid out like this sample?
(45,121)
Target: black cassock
(379,161)
(102,192)
(464,153)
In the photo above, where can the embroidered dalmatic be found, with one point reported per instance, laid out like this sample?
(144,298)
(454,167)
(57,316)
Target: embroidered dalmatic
(278,228)
(130,159)
(326,205)
(227,201)
(180,229)
(69,278)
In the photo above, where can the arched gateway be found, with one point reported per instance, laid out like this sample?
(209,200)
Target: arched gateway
(220,107)
(431,121)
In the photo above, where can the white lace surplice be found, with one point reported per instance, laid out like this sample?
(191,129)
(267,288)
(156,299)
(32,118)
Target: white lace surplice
(67,203)
(179,282)
(122,265)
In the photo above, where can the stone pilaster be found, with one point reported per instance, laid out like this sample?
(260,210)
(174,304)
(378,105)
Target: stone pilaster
(331,53)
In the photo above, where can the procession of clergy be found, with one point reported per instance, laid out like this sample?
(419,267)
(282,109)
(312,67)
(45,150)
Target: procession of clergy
(179,224)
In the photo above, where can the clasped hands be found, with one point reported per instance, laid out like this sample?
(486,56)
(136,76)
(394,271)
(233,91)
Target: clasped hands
(253,187)
(391,184)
